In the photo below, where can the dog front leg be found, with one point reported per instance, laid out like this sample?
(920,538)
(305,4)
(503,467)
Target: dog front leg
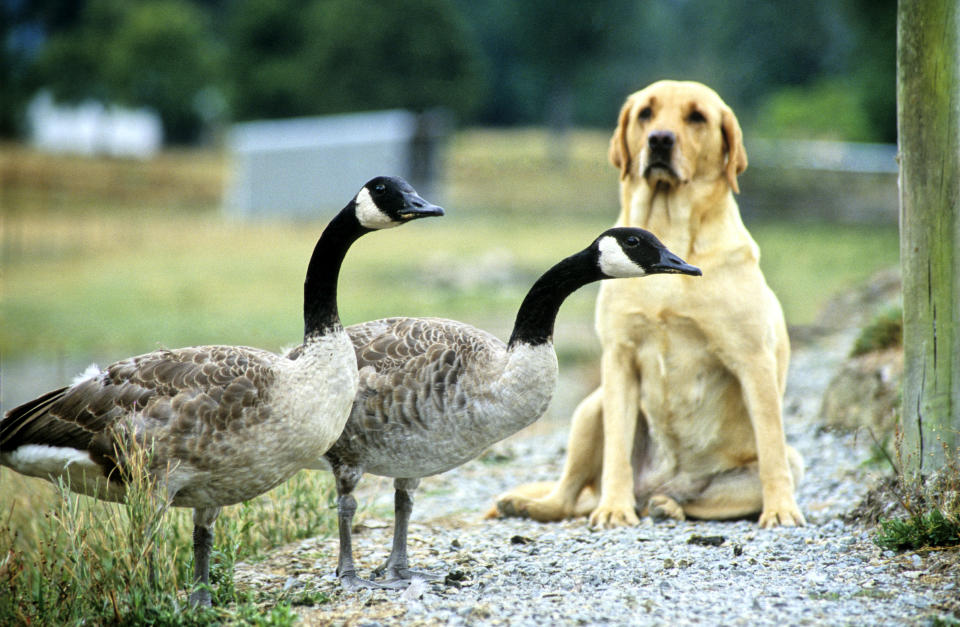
(566,498)
(762,399)
(621,406)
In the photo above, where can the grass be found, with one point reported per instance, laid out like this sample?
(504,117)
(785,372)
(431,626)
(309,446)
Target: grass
(102,259)
(84,560)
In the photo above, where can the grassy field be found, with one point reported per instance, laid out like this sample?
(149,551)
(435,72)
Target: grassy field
(102,259)
(105,258)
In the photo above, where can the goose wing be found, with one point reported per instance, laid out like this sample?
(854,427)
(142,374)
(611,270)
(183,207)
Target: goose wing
(414,370)
(198,390)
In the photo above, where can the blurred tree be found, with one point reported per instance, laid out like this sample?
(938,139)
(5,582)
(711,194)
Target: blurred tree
(560,40)
(598,53)
(872,64)
(493,62)
(71,62)
(265,38)
(161,57)
(296,57)
(153,53)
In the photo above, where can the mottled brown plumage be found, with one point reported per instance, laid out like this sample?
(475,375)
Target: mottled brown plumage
(180,402)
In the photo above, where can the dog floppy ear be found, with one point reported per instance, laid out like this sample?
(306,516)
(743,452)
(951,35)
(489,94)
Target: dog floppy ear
(736,153)
(619,150)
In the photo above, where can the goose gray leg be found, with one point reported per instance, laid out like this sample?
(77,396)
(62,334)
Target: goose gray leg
(347,478)
(397,567)
(203,519)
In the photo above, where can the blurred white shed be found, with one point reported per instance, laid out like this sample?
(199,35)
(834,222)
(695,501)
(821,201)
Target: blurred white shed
(91,128)
(309,167)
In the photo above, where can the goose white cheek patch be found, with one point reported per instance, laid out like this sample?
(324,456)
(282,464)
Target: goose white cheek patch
(614,262)
(369,215)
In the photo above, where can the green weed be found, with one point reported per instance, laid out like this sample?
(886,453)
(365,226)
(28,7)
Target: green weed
(932,506)
(885,330)
(920,529)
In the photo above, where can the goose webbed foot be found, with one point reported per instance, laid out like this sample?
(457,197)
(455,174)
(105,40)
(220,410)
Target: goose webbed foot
(350,581)
(400,577)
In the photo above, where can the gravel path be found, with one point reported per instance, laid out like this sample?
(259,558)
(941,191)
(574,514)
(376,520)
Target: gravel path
(517,572)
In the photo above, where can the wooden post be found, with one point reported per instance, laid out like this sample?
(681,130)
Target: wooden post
(928,130)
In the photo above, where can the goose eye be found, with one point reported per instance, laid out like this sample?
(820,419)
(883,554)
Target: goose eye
(379,188)
(645,113)
(696,117)
(632,241)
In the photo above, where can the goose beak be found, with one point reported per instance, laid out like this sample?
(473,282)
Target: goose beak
(671,264)
(416,207)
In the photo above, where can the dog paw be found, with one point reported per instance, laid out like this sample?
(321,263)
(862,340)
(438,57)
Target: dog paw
(541,510)
(609,517)
(662,507)
(511,507)
(785,515)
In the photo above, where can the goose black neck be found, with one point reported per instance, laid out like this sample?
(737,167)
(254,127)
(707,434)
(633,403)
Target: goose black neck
(538,311)
(320,314)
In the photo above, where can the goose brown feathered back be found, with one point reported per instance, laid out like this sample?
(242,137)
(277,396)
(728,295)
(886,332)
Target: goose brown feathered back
(222,424)
(435,393)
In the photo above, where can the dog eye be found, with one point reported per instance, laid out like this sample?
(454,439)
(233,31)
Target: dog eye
(696,117)
(645,113)
(632,241)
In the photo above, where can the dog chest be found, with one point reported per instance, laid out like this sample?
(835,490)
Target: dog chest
(683,386)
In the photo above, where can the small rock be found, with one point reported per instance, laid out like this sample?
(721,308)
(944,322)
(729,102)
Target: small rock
(706,540)
(455,578)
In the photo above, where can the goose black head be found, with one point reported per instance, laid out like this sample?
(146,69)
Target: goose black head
(630,252)
(389,201)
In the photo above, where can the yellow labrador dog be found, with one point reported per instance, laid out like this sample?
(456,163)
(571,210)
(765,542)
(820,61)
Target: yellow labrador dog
(687,421)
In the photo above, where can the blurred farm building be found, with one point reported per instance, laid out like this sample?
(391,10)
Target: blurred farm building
(297,167)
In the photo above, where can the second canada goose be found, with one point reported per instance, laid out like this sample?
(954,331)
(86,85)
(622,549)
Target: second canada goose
(435,393)
(221,424)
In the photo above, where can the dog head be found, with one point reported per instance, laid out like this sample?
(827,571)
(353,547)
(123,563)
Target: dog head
(672,132)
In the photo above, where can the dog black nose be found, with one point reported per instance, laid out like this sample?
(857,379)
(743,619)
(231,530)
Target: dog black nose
(661,141)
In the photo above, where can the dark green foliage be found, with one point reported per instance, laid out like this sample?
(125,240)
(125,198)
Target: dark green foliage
(304,58)
(884,331)
(826,67)
(930,528)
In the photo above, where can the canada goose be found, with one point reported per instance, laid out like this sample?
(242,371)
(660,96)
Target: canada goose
(222,424)
(435,393)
